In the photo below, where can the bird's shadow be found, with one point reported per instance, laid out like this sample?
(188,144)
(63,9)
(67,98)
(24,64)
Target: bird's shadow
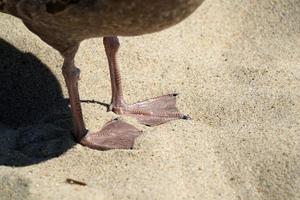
(35,122)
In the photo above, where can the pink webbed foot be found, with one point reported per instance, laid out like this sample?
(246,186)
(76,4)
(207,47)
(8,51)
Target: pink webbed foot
(115,134)
(152,112)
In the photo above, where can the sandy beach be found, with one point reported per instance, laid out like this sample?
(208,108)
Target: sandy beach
(236,66)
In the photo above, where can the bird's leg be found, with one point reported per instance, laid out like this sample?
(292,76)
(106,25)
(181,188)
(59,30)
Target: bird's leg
(71,74)
(151,112)
(116,134)
(112,45)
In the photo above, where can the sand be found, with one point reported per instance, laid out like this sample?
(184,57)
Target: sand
(236,65)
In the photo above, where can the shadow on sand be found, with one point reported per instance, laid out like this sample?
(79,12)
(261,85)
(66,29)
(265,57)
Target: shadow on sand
(35,123)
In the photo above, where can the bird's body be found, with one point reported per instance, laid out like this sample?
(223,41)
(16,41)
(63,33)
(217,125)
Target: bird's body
(63,24)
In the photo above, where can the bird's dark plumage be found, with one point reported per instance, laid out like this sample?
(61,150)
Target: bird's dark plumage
(56,21)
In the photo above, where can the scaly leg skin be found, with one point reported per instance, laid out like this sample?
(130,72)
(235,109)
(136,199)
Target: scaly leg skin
(151,112)
(115,134)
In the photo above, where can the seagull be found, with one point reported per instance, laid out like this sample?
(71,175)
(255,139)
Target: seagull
(64,24)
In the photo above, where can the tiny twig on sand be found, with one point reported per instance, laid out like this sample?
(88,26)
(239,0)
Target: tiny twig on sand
(72,181)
